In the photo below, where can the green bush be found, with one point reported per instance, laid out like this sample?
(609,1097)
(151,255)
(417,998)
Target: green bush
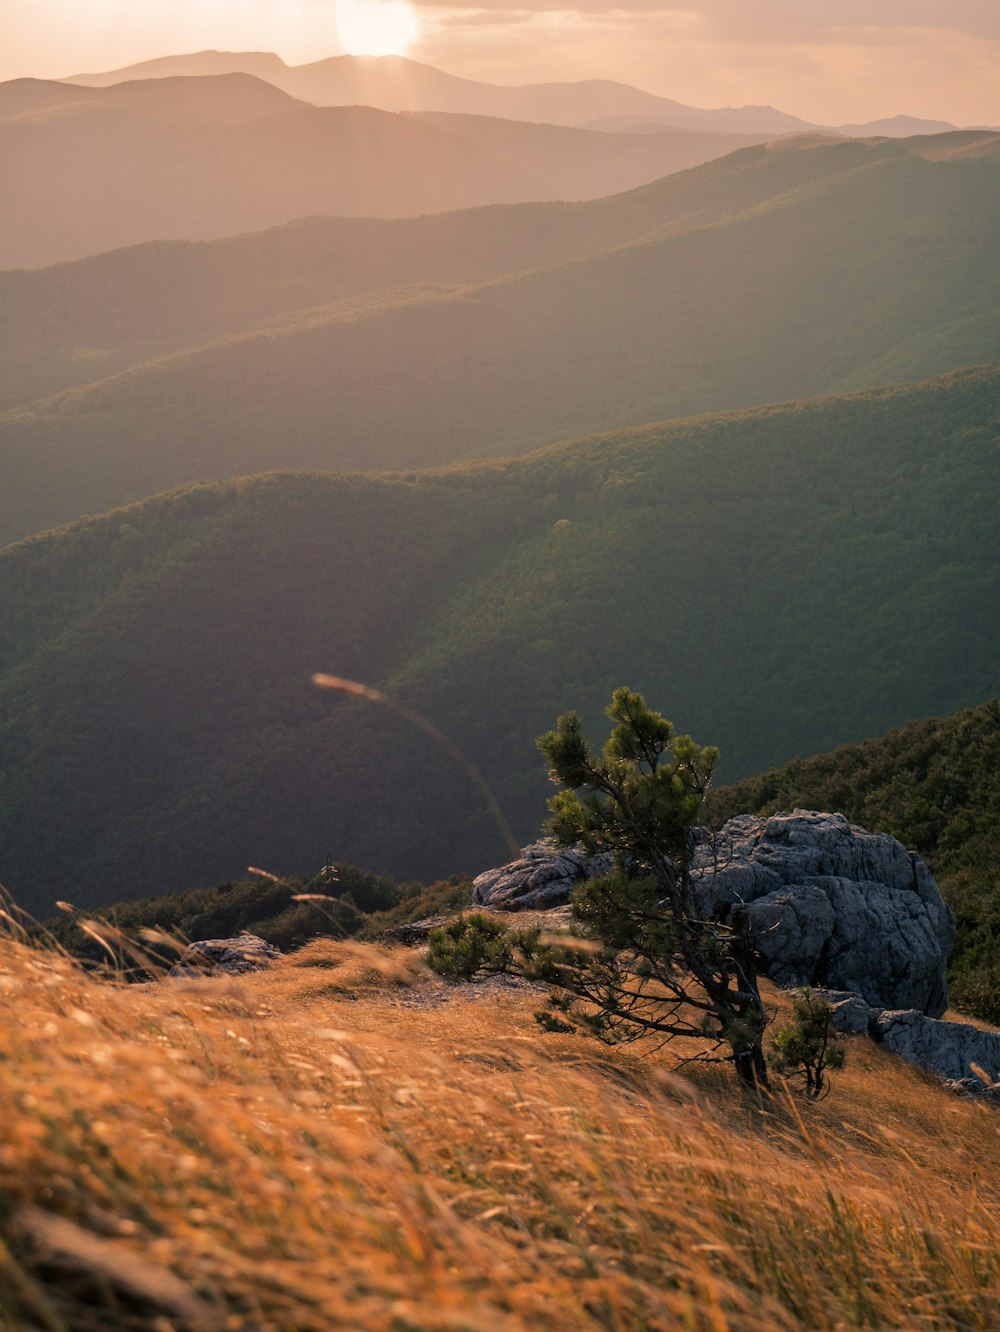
(471,945)
(809,1048)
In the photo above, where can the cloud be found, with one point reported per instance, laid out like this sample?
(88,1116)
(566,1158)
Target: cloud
(793,21)
(844,20)
(803,57)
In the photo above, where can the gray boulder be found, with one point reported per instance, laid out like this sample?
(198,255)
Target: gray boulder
(953,1050)
(225,957)
(965,1057)
(830,905)
(414,932)
(543,877)
(851,1016)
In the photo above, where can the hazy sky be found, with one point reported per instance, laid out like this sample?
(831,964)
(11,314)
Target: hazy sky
(826,60)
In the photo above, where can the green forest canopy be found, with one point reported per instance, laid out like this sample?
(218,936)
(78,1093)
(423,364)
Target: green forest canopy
(779,580)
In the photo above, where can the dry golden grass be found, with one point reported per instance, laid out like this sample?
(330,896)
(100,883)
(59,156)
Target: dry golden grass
(347,1142)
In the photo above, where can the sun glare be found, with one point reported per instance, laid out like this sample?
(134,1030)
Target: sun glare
(376,27)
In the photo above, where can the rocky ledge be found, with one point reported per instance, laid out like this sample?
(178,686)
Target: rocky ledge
(965,1057)
(543,877)
(829,904)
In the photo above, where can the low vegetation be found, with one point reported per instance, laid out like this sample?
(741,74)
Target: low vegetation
(808,1046)
(343,1141)
(286,913)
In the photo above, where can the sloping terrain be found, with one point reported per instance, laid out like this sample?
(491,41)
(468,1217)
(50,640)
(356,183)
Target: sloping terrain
(73,323)
(846,265)
(776,581)
(343,1142)
(87,170)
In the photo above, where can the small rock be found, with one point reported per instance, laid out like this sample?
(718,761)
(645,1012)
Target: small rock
(851,1016)
(225,957)
(543,877)
(414,932)
(955,1051)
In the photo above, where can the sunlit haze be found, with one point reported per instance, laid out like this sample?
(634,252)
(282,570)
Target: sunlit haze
(829,61)
(376,27)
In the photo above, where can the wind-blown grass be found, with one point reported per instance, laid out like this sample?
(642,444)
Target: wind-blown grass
(344,1141)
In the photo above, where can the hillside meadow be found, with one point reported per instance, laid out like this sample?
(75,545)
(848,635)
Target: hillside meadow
(344,1141)
(777,582)
(851,264)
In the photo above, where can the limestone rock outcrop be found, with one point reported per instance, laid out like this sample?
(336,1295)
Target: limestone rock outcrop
(828,903)
(831,905)
(225,957)
(543,877)
(966,1057)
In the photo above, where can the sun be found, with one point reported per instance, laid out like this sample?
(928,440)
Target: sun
(376,27)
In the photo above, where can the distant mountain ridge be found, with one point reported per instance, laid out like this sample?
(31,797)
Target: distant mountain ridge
(802,268)
(226,99)
(776,581)
(198,157)
(395,83)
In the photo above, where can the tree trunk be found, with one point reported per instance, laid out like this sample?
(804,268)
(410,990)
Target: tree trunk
(751,1069)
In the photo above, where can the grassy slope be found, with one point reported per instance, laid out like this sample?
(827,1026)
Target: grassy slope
(871,264)
(341,1142)
(776,581)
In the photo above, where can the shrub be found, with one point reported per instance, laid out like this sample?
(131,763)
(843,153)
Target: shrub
(473,944)
(809,1048)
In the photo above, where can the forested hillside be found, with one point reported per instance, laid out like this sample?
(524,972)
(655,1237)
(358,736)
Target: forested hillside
(777,581)
(70,323)
(843,265)
(934,784)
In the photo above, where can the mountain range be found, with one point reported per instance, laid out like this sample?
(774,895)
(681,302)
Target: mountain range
(395,83)
(416,412)
(87,170)
(776,272)
(777,581)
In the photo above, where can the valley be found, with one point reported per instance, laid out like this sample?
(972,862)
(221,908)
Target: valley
(384,388)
